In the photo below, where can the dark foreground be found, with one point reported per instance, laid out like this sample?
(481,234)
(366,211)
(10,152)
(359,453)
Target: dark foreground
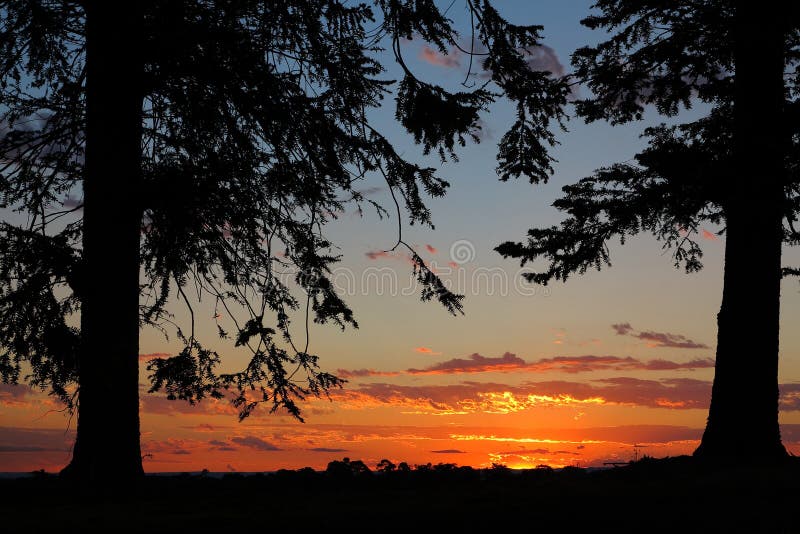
(670,495)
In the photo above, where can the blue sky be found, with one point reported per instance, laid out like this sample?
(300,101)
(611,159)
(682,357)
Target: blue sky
(642,287)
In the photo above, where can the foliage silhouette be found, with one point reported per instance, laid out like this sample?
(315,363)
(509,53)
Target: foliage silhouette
(736,167)
(628,499)
(385,466)
(206,144)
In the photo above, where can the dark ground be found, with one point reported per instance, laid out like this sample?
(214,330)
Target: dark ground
(670,495)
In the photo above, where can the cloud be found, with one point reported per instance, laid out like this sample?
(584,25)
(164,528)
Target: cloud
(667,365)
(539,58)
(180,447)
(473,363)
(327,449)
(25,448)
(588,363)
(674,341)
(530,456)
(498,398)
(159,404)
(71,203)
(790,397)
(388,254)
(454,399)
(658,339)
(449,451)
(676,393)
(223,446)
(426,350)
(430,248)
(622,329)
(790,432)
(14,394)
(153,355)
(205,427)
(370,190)
(40,131)
(560,335)
(434,57)
(483,131)
(508,362)
(360,373)
(524,451)
(254,442)
(543,58)
(18,440)
(709,236)
(476,363)
(375,254)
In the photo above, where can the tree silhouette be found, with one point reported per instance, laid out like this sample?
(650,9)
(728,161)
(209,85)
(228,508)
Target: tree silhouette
(386,466)
(736,166)
(205,144)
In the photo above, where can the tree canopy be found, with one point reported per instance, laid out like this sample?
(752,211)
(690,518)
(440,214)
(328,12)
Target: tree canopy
(736,167)
(255,132)
(670,57)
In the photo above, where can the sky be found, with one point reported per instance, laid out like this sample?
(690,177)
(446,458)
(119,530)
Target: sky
(606,366)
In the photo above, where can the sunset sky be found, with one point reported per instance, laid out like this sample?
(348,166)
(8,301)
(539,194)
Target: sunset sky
(568,374)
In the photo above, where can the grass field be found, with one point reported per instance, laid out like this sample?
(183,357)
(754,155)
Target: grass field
(671,495)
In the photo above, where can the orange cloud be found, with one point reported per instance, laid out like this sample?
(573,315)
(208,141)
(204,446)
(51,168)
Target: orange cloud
(506,402)
(26,449)
(560,335)
(426,350)
(507,439)
(709,235)
(790,397)
(431,249)
(434,57)
(153,355)
(496,398)
(14,394)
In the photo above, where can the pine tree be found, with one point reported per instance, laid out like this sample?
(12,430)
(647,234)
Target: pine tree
(206,144)
(735,167)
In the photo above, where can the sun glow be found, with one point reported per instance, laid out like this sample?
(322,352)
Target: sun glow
(492,437)
(507,402)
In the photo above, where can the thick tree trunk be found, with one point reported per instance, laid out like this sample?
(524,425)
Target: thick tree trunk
(743,417)
(107,445)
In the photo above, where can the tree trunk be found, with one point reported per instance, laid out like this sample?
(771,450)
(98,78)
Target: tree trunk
(107,444)
(743,417)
